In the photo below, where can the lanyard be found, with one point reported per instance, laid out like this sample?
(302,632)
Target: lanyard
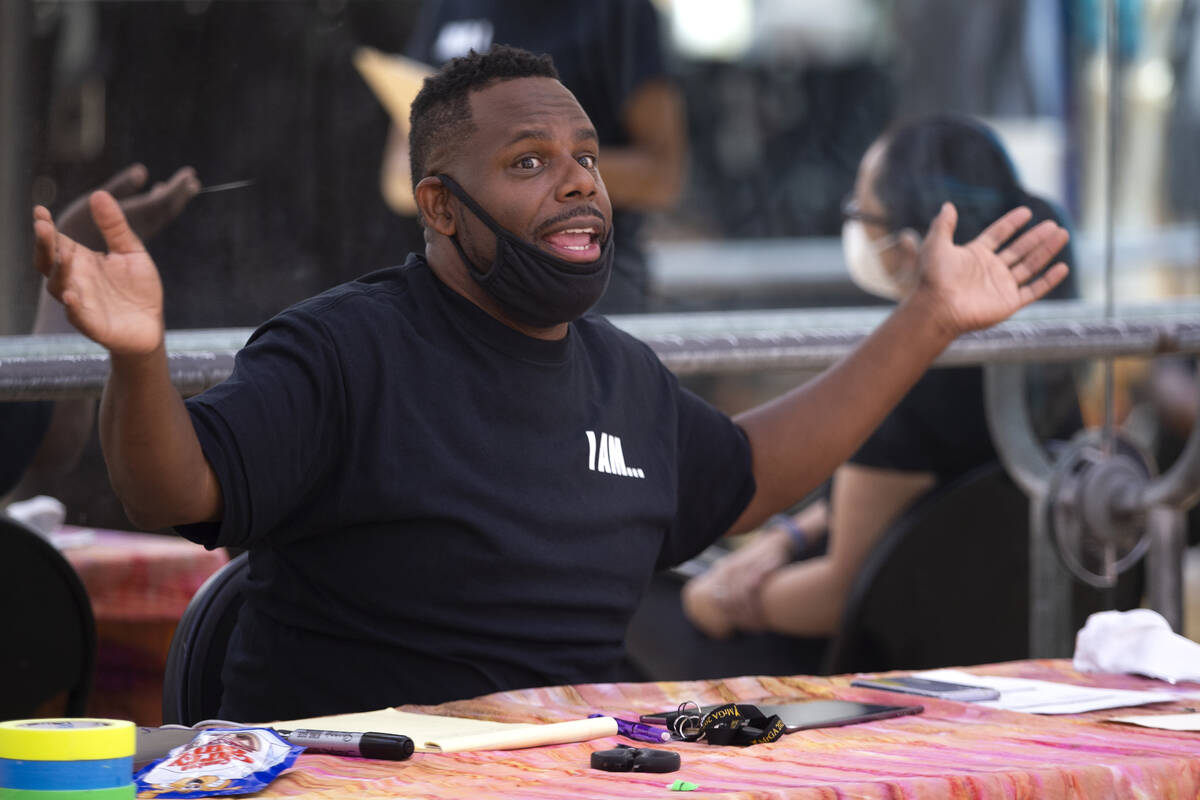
(736,724)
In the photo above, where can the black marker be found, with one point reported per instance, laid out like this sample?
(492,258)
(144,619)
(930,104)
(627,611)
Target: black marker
(386,746)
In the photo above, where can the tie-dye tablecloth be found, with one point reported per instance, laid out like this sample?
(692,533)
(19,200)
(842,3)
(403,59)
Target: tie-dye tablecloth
(134,577)
(952,750)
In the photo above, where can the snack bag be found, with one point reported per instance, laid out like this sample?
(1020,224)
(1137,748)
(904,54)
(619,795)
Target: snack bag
(219,761)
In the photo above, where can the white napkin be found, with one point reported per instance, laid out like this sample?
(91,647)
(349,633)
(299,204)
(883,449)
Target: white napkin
(42,513)
(1137,642)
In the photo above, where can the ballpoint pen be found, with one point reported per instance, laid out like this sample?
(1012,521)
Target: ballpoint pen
(638,731)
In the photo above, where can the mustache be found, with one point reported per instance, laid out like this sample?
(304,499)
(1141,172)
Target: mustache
(571,213)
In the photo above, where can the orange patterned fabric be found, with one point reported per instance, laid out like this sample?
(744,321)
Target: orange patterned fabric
(952,750)
(139,585)
(141,576)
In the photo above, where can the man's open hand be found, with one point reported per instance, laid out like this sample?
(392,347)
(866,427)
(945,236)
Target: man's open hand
(116,298)
(978,284)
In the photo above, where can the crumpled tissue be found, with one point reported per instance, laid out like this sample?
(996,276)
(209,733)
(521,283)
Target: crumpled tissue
(1137,642)
(43,513)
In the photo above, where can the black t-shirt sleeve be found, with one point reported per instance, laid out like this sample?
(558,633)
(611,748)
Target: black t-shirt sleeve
(716,479)
(22,426)
(271,432)
(938,427)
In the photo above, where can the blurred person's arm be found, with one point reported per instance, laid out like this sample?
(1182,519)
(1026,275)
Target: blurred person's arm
(148,212)
(648,173)
(1175,392)
(726,596)
(154,458)
(800,438)
(807,598)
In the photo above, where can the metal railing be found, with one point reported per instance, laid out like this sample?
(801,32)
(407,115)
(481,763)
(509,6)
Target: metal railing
(56,366)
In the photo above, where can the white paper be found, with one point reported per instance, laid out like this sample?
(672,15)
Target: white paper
(1048,697)
(1170,722)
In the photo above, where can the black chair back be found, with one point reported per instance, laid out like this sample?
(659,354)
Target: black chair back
(47,631)
(192,685)
(948,584)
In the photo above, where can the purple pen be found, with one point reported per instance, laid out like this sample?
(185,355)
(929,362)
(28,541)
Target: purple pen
(638,731)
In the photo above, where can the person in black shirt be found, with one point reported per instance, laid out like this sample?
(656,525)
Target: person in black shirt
(936,433)
(450,479)
(22,426)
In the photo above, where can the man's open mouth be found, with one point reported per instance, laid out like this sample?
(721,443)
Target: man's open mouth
(579,243)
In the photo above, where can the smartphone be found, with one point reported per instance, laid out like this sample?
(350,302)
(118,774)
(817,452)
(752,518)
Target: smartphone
(925,687)
(811,713)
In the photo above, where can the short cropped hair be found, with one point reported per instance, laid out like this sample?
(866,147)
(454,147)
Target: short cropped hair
(441,113)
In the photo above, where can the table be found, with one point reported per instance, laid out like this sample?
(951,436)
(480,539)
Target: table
(952,750)
(139,585)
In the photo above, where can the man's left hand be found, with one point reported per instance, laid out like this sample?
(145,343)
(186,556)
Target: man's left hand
(978,284)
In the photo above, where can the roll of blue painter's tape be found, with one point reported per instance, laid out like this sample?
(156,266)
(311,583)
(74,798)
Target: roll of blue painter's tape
(101,773)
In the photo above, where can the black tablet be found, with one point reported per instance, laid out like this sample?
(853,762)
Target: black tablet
(810,714)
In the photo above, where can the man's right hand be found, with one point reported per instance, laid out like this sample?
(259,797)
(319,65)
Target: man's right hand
(113,298)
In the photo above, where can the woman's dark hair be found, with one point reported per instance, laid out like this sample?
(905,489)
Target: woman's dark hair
(932,160)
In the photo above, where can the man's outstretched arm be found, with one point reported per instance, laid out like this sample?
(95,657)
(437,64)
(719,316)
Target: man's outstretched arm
(799,439)
(148,211)
(154,458)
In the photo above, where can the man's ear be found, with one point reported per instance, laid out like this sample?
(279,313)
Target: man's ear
(433,201)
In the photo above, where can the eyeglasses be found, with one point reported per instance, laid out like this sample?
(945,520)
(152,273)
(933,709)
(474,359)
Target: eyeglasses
(852,210)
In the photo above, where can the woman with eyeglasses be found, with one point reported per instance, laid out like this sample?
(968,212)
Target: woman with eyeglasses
(785,579)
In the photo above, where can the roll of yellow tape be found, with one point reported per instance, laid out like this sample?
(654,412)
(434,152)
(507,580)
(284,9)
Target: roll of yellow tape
(67,739)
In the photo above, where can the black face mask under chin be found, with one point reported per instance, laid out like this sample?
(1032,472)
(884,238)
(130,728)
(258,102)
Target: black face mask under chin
(531,285)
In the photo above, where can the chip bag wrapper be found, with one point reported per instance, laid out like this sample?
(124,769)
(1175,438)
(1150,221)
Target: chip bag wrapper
(219,761)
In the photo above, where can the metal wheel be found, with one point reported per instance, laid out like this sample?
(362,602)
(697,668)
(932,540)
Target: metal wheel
(1092,514)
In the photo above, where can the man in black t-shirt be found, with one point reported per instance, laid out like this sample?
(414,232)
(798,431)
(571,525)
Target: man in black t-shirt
(451,481)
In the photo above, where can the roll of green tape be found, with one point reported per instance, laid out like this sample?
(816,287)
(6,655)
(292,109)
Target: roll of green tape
(67,739)
(128,792)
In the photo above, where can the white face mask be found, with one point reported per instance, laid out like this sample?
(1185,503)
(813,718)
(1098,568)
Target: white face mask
(865,265)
